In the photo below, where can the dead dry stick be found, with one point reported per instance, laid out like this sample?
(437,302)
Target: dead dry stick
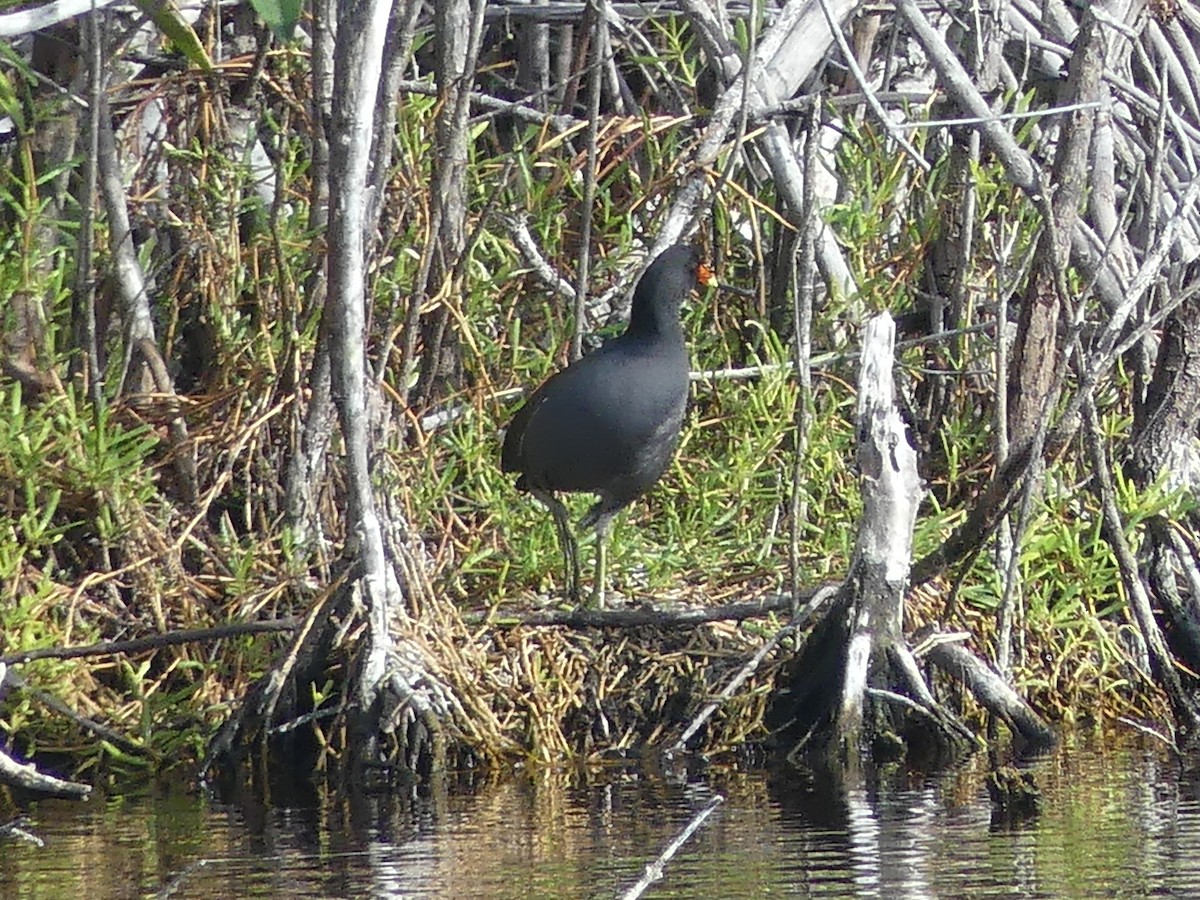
(278,677)
(804,264)
(959,85)
(738,680)
(172,886)
(654,871)
(518,230)
(87,724)
(872,101)
(1150,732)
(1162,663)
(992,691)
(663,618)
(824,594)
(127,274)
(595,74)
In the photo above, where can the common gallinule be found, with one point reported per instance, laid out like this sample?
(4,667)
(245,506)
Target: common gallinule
(609,423)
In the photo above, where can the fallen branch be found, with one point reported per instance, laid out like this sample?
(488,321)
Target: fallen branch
(26,776)
(16,828)
(154,642)
(87,724)
(818,600)
(642,616)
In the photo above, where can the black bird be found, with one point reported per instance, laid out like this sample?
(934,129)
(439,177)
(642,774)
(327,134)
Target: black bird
(608,424)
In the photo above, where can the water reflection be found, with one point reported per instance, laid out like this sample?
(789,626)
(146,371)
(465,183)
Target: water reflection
(1115,822)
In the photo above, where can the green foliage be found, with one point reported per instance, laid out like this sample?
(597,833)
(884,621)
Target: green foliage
(874,219)
(74,479)
(61,449)
(69,474)
(678,63)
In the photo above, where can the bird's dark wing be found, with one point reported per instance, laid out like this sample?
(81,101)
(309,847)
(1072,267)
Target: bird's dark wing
(600,423)
(511,456)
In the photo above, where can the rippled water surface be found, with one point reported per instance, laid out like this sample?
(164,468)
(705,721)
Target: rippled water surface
(1115,822)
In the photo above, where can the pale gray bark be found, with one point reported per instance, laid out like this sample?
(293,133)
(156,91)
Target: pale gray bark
(855,679)
(891,488)
(458,30)
(312,427)
(37,18)
(991,690)
(788,52)
(358,55)
(28,778)
(385,665)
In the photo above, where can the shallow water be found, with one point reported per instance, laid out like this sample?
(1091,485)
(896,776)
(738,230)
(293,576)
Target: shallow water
(1116,821)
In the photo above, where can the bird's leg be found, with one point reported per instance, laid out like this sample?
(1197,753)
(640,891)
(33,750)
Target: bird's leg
(603,523)
(566,540)
(601,568)
(570,557)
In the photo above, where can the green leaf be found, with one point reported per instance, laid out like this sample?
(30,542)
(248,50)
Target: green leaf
(281,16)
(178,31)
(10,105)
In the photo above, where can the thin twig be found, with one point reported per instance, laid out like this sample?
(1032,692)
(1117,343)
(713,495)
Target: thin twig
(16,828)
(1002,117)
(1151,732)
(803,293)
(595,72)
(799,618)
(85,285)
(876,107)
(736,682)
(518,231)
(1183,704)
(85,722)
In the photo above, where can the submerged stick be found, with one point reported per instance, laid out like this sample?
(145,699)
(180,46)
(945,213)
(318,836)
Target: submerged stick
(654,871)
(16,829)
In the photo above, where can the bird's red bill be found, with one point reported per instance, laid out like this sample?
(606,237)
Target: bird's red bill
(706,276)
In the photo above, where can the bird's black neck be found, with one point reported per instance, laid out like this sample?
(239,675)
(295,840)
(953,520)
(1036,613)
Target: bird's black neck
(654,319)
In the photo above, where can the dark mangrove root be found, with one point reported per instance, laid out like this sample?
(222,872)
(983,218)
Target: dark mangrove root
(807,611)
(905,663)
(397,728)
(993,692)
(1164,587)
(397,715)
(1015,795)
(265,722)
(1180,693)
(151,642)
(1174,576)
